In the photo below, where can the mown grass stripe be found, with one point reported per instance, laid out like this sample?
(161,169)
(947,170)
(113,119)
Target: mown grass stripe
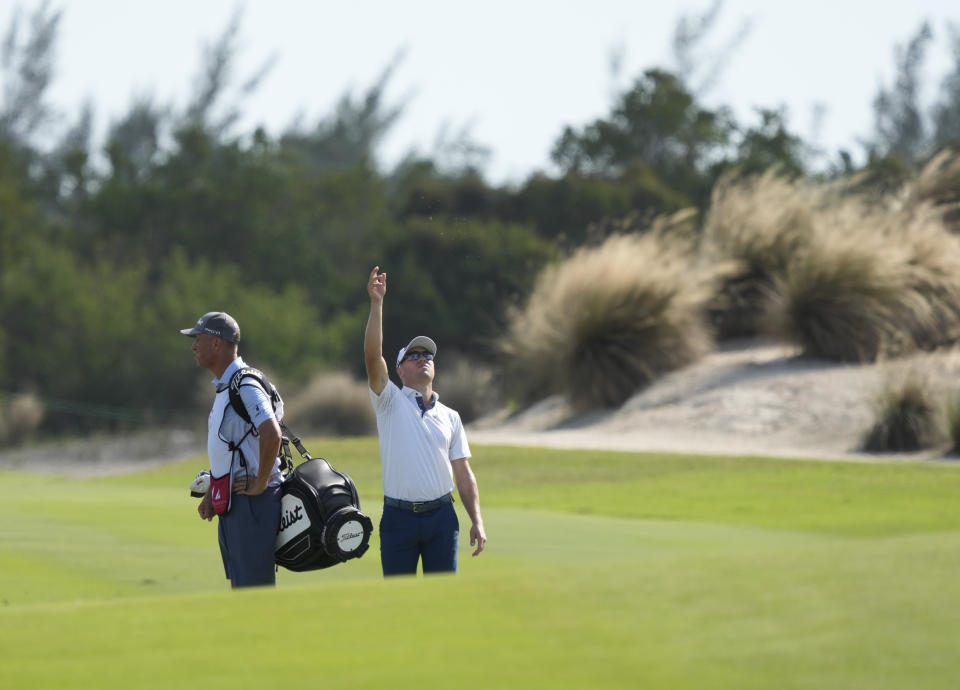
(610,570)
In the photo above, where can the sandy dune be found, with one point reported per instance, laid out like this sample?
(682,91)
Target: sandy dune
(747,398)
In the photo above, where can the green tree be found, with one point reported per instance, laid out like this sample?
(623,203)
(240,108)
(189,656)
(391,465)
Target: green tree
(697,67)
(770,144)
(217,102)
(133,142)
(27,66)
(349,136)
(454,279)
(899,124)
(946,111)
(23,230)
(657,122)
(567,209)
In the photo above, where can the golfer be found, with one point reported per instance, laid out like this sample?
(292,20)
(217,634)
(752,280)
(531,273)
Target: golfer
(244,466)
(423,449)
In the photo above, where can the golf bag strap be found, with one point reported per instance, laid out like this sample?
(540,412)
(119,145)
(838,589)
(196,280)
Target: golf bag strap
(234,446)
(293,438)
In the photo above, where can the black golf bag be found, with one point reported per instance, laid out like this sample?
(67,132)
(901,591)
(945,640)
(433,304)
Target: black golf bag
(320,519)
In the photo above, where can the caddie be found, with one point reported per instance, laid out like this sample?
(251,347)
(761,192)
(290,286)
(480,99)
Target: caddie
(244,491)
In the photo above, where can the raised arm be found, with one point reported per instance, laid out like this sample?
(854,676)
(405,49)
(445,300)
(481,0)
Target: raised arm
(377,374)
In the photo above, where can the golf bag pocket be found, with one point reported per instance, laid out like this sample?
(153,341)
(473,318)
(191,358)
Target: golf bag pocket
(220,493)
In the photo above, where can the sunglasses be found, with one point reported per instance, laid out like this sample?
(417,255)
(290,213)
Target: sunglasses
(417,355)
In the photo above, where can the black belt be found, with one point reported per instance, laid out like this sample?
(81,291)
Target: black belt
(418,506)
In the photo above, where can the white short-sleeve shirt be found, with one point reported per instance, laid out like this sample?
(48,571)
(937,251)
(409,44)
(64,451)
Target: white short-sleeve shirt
(225,423)
(416,446)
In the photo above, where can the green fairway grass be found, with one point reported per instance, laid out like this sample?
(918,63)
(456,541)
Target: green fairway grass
(603,570)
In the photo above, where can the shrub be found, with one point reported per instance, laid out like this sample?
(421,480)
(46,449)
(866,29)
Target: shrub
(848,276)
(907,418)
(871,282)
(843,301)
(609,320)
(333,404)
(466,385)
(934,274)
(952,421)
(938,183)
(757,224)
(21,415)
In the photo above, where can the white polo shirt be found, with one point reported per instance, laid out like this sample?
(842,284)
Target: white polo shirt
(225,423)
(416,447)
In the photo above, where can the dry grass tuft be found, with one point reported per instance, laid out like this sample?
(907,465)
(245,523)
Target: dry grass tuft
(938,184)
(467,386)
(952,421)
(934,275)
(333,404)
(847,277)
(846,270)
(22,414)
(609,320)
(871,282)
(908,417)
(844,298)
(756,224)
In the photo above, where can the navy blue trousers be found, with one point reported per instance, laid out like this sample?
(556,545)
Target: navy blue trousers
(407,537)
(247,534)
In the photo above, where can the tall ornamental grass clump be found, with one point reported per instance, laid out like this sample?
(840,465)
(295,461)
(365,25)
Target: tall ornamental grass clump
(609,320)
(908,417)
(938,183)
(934,273)
(467,385)
(844,300)
(332,404)
(758,224)
(952,422)
(870,283)
(20,417)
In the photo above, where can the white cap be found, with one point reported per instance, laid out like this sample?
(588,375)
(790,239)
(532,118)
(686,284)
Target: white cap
(420,341)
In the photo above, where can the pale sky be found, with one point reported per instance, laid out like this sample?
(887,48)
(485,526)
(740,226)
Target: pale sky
(514,73)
